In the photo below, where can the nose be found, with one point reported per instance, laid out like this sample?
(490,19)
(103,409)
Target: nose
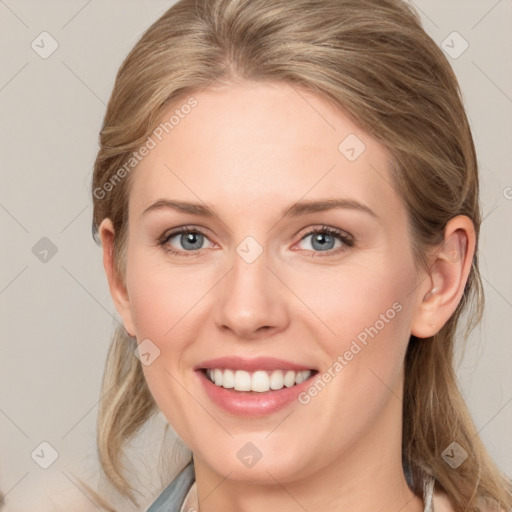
(251,301)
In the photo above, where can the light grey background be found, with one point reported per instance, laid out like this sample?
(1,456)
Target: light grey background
(56,315)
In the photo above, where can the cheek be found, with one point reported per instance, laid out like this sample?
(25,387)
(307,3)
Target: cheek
(163,300)
(160,315)
(360,300)
(363,360)
(165,305)
(365,328)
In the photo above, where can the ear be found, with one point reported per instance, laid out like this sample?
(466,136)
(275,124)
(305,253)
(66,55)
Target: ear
(449,269)
(115,282)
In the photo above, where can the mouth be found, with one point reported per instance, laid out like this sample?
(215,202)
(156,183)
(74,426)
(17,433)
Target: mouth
(253,387)
(259,381)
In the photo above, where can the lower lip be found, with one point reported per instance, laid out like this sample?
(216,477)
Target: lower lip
(252,403)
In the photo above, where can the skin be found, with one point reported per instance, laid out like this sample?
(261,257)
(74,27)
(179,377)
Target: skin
(250,150)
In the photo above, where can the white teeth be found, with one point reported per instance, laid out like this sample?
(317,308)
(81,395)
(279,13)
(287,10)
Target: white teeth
(289,378)
(301,376)
(242,381)
(276,380)
(259,381)
(228,379)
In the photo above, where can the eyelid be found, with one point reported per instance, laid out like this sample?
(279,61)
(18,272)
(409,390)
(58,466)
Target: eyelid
(179,230)
(162,240)
(345,237)
(322,228)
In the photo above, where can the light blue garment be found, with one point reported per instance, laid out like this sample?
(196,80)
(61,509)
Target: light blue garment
(173,496)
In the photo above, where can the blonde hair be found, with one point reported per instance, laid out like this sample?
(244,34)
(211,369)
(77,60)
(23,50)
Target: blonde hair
(373,61)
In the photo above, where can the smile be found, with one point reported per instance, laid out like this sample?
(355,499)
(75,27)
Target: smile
(259,381)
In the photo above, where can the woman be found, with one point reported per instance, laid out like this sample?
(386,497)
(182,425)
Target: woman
(286,194)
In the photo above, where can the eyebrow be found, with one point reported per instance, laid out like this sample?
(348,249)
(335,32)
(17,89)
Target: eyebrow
(296,209)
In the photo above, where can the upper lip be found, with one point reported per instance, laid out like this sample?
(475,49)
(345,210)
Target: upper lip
(251,364)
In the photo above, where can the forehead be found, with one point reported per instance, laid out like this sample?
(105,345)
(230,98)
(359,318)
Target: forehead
(261,144)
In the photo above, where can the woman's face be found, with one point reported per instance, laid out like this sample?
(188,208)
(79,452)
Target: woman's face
(252,284)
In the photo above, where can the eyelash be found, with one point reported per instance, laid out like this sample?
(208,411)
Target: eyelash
(344,237)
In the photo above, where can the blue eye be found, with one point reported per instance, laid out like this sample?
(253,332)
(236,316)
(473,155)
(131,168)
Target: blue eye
(324,239)
(191,240)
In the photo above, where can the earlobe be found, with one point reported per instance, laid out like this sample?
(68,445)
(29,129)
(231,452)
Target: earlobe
(449,269)
(116,285)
